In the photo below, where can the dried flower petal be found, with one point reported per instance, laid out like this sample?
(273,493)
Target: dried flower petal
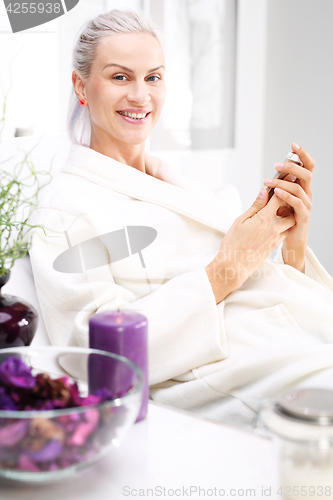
(47,429)
(75,395)
(53,389)
(25,463)
(50,451)
(69,457)
(6,403)
(13,433)
(6,454)
(105,393)
(91,399)
(41,444)
(84,429)
(13,371)
(30,443)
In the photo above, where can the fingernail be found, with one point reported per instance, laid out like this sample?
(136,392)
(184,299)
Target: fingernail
(278,191)
(293,178)
(296,146)
(261,193)
(278,166)
(268,182)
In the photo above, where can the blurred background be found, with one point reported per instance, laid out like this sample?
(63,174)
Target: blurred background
(245,79)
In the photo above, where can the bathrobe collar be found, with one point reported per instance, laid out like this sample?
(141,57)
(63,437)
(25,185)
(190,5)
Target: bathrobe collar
(162,184)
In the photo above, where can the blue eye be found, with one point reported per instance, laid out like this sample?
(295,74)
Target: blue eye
(121,78)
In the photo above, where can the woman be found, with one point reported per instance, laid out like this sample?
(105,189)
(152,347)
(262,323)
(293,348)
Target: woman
(228,327)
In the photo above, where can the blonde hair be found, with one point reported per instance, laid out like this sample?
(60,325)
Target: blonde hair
(84,52)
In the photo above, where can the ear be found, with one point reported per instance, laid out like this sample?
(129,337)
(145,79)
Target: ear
(79,86)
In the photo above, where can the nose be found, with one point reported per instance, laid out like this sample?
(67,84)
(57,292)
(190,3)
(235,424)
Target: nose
(138,93)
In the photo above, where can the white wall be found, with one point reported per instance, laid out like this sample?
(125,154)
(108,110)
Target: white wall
(29,77)
(242,165)
(250,99)
(299,102)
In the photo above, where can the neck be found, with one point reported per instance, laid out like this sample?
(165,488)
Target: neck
(129,154)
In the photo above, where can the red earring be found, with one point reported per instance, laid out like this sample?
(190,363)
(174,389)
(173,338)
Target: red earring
(82,102)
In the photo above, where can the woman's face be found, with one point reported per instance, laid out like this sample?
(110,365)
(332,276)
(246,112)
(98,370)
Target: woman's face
(127,76)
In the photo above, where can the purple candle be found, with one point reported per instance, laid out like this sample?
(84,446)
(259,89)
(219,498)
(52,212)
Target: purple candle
(124,333)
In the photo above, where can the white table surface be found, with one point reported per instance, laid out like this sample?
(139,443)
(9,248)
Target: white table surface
(170,449)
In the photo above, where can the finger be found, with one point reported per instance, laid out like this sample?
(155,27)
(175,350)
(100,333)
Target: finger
(286,177)
(301,211)
(290,178)
(304,176)
(296,170)
(283,235)
(290,187)
(256,206)
(307,160)
(285,223)
(273,204)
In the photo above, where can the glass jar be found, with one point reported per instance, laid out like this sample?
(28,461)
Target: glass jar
(301,422)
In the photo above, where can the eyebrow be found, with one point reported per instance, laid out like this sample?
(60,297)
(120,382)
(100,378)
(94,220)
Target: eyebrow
(130,70)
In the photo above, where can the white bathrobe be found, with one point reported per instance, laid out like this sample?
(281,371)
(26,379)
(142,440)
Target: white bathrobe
(221,361)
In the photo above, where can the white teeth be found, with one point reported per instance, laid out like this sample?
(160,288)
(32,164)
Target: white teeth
(138,116)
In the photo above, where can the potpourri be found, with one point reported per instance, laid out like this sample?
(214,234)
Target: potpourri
(48,444)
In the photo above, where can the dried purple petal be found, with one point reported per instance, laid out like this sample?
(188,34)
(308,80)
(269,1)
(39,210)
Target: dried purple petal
(13,371)
(25,392)
(92,416)
(15,397)
(75,395)
(25,463)
(6,402)
(70,427)
(46,405)
(60,404)
(67,419)
(105,393)
(69,457)
(84,429)
(13,433)
(91,399)
(42,444)
(50,451)
(7,453)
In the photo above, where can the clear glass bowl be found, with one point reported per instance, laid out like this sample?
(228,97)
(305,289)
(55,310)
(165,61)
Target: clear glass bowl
(44,445)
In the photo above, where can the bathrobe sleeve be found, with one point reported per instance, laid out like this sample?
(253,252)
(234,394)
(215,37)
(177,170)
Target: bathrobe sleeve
(313,268)
(184,330)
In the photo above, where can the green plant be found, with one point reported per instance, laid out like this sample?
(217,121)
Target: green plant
(15,239)
(16,208)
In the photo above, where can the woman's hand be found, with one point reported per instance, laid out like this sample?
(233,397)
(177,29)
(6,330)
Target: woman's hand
(246,245)
(297,198)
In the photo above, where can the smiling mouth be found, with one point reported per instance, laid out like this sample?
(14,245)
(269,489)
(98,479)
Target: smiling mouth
(135,116)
